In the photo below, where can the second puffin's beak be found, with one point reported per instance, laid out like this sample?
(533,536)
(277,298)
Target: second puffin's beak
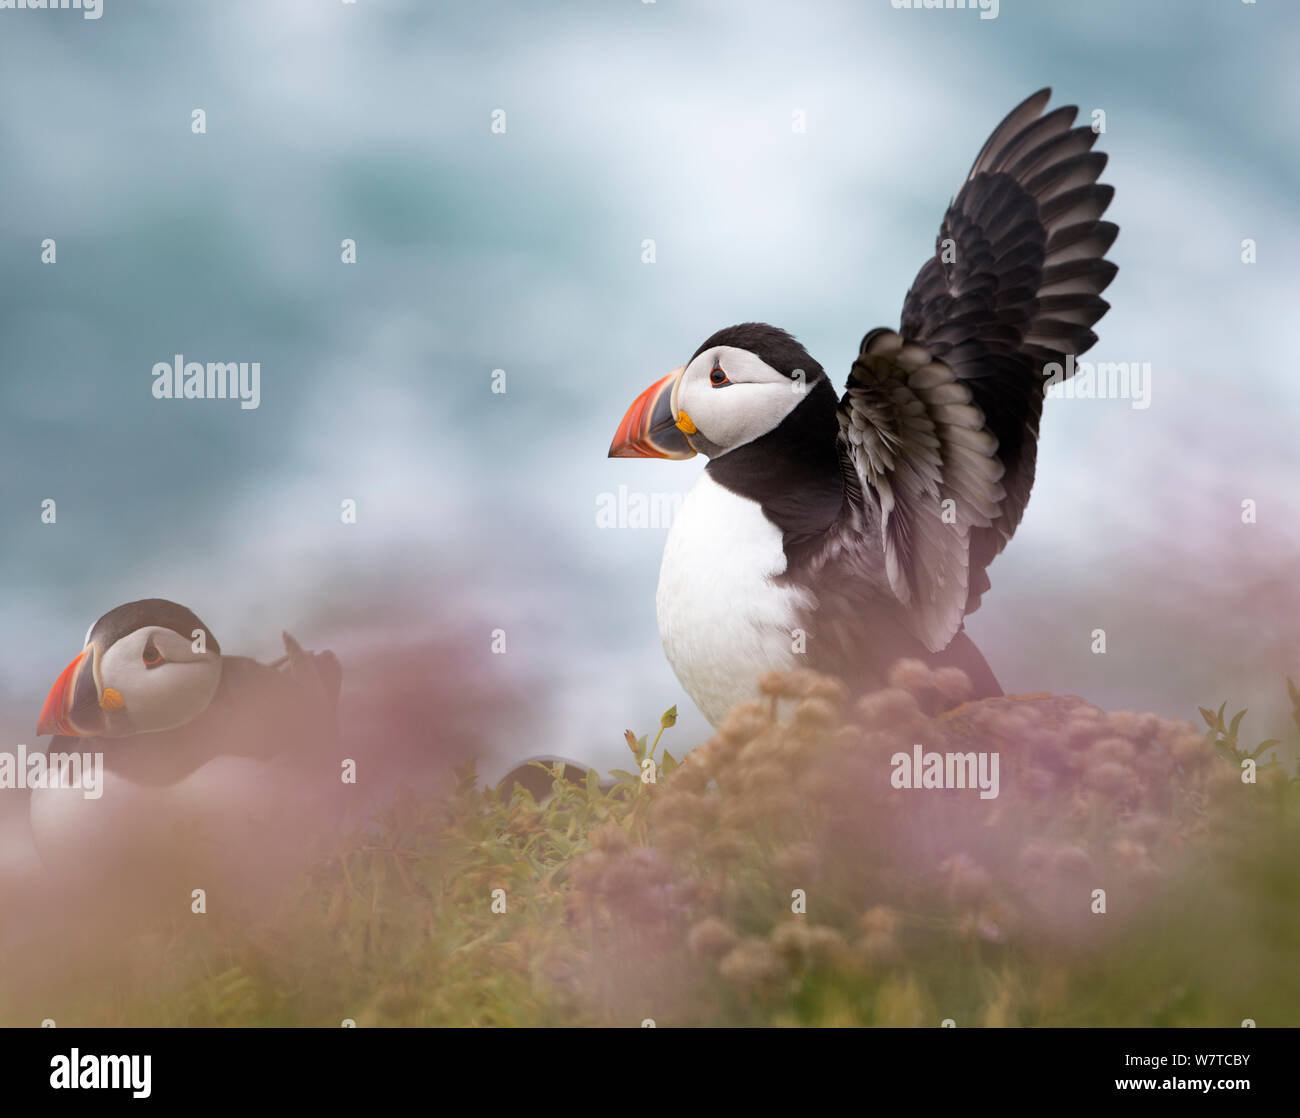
(75,706)
(650,429)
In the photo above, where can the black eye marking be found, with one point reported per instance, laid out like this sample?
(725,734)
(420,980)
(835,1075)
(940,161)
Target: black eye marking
(152,657)
(718,378)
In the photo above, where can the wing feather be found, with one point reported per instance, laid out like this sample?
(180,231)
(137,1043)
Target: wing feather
(940,418)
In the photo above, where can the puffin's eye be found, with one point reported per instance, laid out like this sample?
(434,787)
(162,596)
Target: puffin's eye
(152,657)
(718,378)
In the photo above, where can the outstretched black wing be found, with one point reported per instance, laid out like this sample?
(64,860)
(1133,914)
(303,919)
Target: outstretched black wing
(940,418)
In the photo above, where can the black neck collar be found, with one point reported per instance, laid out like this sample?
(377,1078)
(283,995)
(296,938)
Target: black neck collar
(793,472)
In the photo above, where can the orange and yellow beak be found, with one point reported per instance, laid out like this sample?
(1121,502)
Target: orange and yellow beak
(652,428)
(76,704)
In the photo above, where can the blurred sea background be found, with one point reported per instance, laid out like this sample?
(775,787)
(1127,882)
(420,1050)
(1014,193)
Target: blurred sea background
(522,251)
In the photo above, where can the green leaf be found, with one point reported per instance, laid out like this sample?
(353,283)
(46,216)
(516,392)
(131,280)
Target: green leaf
(1236,721)
(1208,715)
(670,763)
(624,777)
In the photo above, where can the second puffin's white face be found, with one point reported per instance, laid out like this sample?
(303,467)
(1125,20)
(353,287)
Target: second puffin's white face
(731,397)
(162,681)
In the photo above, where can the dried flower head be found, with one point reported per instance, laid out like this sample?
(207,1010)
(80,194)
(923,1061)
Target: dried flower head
(792,942)
(711,938)
(912,676)
(953,684)
(887,709)
(752,962)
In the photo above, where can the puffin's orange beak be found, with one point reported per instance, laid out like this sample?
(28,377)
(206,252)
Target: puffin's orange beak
(73,707)
(650,429)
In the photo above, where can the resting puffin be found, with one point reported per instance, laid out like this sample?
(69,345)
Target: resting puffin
(153,689)
(843,533)
(237,754)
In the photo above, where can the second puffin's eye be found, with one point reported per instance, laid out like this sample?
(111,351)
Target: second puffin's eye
(718,378)
(152,657)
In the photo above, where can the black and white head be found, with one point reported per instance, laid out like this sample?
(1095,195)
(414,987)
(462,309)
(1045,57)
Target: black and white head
(146,666)
(740,384)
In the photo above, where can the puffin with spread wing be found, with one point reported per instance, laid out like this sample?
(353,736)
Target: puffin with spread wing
(843,533)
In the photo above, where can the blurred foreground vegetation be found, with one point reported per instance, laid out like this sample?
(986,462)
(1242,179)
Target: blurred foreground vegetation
(676,901)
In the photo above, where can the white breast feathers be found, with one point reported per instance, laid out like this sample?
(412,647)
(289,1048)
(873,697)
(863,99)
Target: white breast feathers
(723,621)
